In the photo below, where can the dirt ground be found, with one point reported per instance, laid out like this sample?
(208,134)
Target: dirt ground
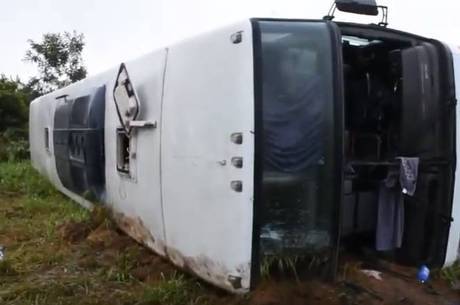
(58,253)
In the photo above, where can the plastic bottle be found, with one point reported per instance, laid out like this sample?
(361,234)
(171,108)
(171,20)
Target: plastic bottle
(423,274)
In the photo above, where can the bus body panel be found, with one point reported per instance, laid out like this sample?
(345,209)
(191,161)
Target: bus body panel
(454,232)
(135,198)
(207,100)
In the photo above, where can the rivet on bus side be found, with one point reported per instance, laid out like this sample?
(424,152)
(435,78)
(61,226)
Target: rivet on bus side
(237,138)
(237,162)
(237,186)
(237,37)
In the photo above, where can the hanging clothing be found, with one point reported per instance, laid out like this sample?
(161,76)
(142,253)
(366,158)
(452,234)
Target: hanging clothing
(408,175)
(390,215)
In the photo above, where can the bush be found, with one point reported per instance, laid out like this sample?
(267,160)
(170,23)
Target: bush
(17,150)
(14,145)
(13,104)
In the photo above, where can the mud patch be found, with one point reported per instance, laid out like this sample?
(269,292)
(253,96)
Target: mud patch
(152,268)
(212,271)
(398,285)
(107,237)
(109,248)
(73,232)
(271,292)
(135,228)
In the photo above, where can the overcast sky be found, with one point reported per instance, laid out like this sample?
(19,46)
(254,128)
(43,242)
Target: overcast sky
(117,30)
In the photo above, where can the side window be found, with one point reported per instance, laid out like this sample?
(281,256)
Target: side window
(47,139)
(123,151)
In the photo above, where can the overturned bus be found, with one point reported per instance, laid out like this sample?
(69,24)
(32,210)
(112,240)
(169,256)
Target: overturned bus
(269,137)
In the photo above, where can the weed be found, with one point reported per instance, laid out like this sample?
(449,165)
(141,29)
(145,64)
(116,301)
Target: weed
(100,215)
(17,150)
(281,264)
(121,271)
(14,145)
(116,275)
(21,178)
(350,269)
(6,268)
(175,290)
(451,273)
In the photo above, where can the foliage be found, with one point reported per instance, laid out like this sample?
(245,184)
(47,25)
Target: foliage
(13,104)
(58,59)
(14,145)
(14,98)
(452,274)
(17,150)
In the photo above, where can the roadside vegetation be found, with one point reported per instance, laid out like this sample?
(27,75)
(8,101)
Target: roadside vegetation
(59,62)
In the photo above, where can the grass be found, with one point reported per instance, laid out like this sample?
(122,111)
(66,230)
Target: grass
(451,274)
(42,268)
(281,264)
(21,178)
(173,290)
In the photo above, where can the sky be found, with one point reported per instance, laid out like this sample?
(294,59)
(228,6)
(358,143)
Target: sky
(117,30)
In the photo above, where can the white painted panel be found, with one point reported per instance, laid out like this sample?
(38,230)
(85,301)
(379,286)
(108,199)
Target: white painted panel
(454,233)
(137,199)
(41,113)
(208,96)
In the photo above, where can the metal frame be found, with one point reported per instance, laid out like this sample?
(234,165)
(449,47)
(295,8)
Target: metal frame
(383,23)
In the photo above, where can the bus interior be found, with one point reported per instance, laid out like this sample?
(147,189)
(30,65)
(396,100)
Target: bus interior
(396,107)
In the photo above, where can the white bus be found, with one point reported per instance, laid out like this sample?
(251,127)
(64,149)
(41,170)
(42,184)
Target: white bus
(269,137)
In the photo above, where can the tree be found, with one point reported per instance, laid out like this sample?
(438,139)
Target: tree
(58,59)
(13,104)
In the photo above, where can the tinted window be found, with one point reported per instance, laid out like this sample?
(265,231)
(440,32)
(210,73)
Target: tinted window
(298,138)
